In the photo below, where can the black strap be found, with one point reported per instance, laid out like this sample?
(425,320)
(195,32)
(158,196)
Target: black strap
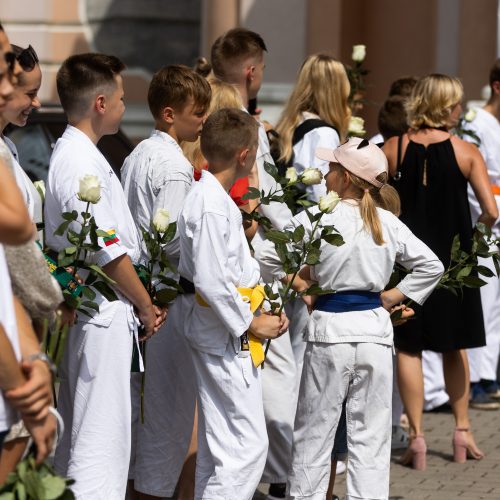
(400,147)
(308,125)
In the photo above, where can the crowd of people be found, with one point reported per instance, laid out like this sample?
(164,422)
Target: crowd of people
(343,370)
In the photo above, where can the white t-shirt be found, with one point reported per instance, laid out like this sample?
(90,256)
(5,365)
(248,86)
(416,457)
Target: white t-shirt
(360,265)
(8,415)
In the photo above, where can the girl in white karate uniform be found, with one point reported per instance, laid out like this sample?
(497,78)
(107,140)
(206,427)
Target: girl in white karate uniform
(350,336)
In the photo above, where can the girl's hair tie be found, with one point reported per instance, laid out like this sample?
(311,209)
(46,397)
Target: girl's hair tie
(366,190)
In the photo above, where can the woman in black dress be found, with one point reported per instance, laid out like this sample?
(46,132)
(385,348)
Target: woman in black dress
(431,170)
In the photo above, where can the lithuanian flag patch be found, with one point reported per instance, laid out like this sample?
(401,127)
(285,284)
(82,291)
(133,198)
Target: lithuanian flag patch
(111,238)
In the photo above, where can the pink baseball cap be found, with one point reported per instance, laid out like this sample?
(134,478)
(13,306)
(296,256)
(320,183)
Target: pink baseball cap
(360,157)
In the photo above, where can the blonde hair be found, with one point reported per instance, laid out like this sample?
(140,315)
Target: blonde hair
(224,95)
(322,88)
(372,197)
(432,100)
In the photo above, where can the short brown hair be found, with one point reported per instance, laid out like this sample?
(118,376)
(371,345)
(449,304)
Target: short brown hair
(495,73)
(232,48)
(226,132)
(403,86)
(173,86)
(392,118)
(82,76)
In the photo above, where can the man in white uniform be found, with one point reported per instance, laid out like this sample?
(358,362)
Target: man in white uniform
(238,58)
(483,361)
(232,440)
(94,396)
(157,175)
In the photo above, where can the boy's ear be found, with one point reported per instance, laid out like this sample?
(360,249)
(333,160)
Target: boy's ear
(100,104)
(242,156)
(496,88)
(168,115)
(250,72)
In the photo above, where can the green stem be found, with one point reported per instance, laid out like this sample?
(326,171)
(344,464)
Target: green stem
(80,239)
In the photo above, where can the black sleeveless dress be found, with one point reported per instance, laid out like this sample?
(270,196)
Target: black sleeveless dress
(435,207)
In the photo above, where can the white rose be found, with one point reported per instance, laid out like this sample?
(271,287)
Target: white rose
(358,53)
(90,189)
(40,187)
(311,176)
(291,175)
(328,202)
(357,126)
(470,115)
(161,220)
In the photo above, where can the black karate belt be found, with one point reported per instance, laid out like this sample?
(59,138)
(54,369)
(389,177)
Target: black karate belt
(186,285)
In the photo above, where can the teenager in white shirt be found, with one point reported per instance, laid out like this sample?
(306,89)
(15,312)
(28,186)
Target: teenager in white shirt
(157,175)
(350,335)
(94,396)
(215,256)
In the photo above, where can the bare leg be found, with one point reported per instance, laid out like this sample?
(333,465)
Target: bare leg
(186,479)
(411,388)
(456,376)
(331,484)
(11,455)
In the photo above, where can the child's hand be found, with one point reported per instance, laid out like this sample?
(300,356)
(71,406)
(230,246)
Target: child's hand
(406,313)
(161,316)
(43,433)
(268,326)
(309,301)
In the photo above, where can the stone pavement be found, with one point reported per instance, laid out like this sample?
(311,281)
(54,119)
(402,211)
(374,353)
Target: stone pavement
(443,479)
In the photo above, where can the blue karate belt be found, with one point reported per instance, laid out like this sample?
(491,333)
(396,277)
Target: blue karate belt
(348,301)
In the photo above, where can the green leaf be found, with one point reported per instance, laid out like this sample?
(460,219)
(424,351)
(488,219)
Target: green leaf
(54,487)
(465,271)
(70,250)
(90,305)
(88,292)
(485,271)
(34,486)
(101,273)
(277,236)
(62,228)
(271,169)
(165,295)
(70,216)
(334,239)
(8,495)
(313,256)
(315,289)
(251,194)
(455,248)
(473,282)
(298,234)
(169,233)
(105,290)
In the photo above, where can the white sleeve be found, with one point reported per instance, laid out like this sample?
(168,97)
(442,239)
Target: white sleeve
(172,190)
(413,254)
(211,278)
(278,213)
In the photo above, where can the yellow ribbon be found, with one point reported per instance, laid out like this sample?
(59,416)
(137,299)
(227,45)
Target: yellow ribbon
(254,296)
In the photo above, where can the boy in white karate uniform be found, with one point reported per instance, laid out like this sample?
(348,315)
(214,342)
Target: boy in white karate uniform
(157,175)
(483,361)
(94,396)
(232,438)
(238,58)
(350,335)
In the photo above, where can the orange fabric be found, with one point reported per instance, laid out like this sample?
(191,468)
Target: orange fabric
(495,189)
(240,187)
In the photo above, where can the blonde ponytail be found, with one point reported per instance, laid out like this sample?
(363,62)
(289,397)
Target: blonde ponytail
(371,197)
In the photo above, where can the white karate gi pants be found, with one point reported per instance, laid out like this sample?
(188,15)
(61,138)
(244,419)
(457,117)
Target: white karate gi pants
(162,442)
(434,388)
(94,401)
(363,372)
(483,361)
(283,366)
(232,438)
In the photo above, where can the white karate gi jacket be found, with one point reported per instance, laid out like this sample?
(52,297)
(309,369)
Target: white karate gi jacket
(74,157)
(361,265)
(215,256)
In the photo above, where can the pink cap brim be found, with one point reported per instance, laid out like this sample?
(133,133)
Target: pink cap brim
(326,154)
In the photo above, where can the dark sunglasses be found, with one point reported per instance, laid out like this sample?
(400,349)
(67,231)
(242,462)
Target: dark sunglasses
(10,59)
(28,59)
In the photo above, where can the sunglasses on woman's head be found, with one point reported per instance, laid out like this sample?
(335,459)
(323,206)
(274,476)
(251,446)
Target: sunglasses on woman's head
(28,59)
(10,59)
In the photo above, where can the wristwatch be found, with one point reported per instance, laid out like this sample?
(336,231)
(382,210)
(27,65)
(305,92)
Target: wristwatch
(41,356)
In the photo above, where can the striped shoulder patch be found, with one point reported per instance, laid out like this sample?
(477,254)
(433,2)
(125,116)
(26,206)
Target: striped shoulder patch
(111,238)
